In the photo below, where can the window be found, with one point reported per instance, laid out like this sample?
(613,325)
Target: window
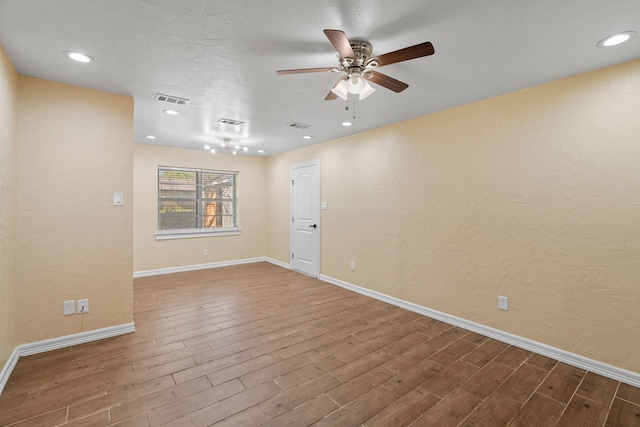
(196,202)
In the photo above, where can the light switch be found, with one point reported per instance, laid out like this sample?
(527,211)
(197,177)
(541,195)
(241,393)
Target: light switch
(118,199)
(324,205)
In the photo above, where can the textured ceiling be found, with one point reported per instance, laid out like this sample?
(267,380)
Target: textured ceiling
(223,57)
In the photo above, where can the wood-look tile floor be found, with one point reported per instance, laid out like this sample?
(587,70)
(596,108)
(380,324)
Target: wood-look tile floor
(260,345)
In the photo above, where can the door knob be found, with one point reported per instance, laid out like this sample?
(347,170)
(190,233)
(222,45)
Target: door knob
(314,226)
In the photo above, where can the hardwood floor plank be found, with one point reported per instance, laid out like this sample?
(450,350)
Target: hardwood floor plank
(309,372)
(50,419)
(497,410)
(149,402)
(97,419)
(629,393)
(562,382)
(623,414)
(271,372)
(410,357)
(450,378)
(538,411)
(209,367)
(305,414)
(450,411)
(137,421)
(405,410)
(583,412)
(195,402)
(221,349)
(168,356)
(512,356)
(293,397)
(411,378)
(542,362)
(453,352)
(243,368)
(120,397)
(598,388)
(485,353)
(360,410)
(234,404)
(251,417)
(360,385)
(522,383)
(359,366)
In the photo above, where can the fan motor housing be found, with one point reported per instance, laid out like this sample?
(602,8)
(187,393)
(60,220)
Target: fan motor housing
(361,51)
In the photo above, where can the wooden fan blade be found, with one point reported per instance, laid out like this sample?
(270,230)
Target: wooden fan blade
(412,52)
(386,81)
(340,42)
(332,95)
(309,70)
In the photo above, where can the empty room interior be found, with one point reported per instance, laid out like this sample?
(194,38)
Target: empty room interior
(331,213)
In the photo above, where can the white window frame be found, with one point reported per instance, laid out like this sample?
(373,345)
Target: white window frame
(181,233)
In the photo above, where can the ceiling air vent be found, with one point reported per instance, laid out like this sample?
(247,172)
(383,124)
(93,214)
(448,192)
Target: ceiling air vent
(298,125)
(230,122)
(171,99)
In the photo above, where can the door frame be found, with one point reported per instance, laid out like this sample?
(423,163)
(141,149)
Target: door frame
(291,224)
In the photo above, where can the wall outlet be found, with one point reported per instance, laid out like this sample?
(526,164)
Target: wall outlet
(83,306)
(69,307)
(205,252)
(503,303)
(353,266)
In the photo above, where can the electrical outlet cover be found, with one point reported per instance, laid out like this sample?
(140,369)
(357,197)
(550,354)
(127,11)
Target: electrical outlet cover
(69,307)
(83,306)
(503,303)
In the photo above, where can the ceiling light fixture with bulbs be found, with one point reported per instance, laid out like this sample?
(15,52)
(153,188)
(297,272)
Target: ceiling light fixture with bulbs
(226,147)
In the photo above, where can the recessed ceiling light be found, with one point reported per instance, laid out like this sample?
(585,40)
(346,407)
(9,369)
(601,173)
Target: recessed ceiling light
(79,57)
(307,137)
(172,112)
(260,151)
(150,137)
(616,39)
(346,123)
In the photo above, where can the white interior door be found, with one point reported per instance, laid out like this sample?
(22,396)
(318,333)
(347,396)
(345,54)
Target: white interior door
(305,215)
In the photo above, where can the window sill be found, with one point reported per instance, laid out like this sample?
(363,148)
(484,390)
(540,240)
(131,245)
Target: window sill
(168,235)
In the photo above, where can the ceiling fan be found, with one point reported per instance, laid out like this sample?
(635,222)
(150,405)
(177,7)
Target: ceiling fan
(356,62)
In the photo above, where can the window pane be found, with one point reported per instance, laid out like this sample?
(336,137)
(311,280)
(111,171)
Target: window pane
(196,199)
(173,215)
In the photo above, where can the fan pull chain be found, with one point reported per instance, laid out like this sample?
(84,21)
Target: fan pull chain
(354,106)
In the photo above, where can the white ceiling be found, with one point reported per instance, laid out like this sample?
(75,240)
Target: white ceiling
(223,57)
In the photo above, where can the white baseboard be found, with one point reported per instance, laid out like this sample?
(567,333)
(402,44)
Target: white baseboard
(278,263)
(194,267)
(8,368)
(606,370)
(61,342)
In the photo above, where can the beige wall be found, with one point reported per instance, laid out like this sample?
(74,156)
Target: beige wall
(152,254)
(8,207)
(75,149)
(533,195)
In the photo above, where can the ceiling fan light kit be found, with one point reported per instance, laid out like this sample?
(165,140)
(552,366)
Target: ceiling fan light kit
(225,147)
(354,58)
